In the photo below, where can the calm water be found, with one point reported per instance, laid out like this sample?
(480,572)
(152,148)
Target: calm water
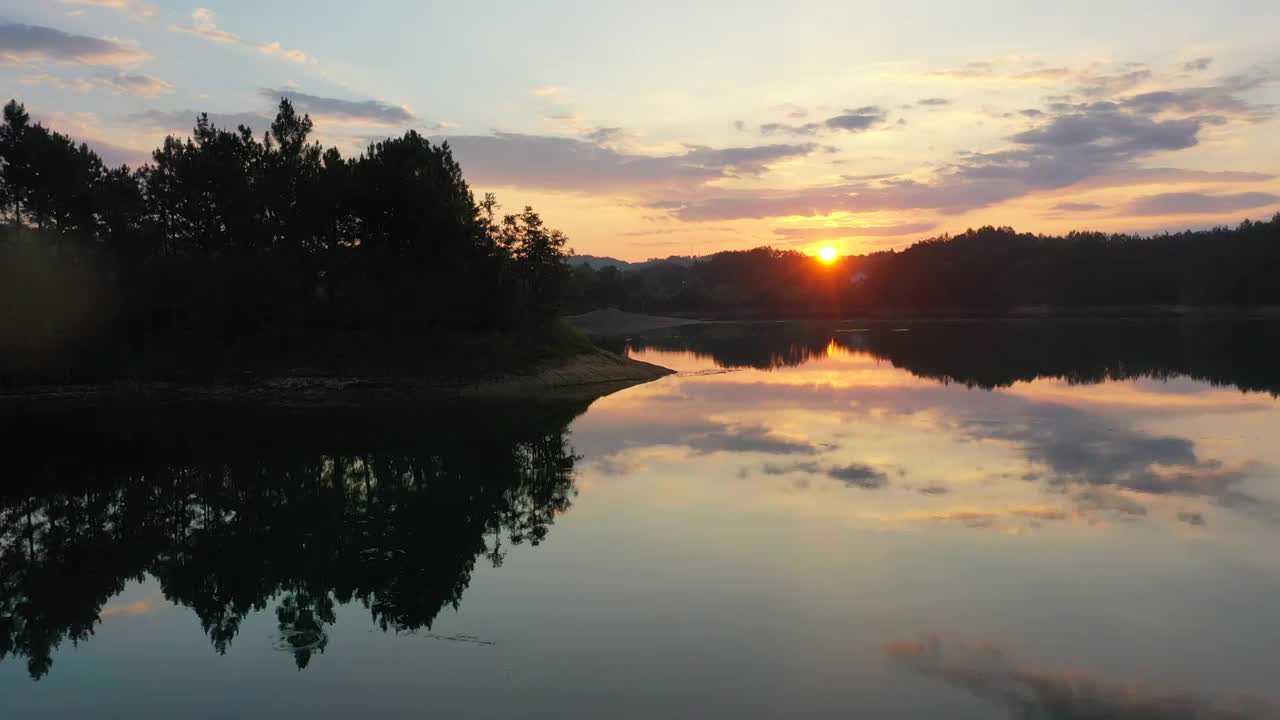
(965,520)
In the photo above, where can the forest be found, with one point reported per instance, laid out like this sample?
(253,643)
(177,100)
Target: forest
(989,270)
(231,252)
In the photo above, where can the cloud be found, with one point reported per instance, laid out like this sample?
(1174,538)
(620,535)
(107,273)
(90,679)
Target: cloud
(1086,454)
(933,490)
(1192,203)
(1077,207)
(1197,65)
(1100,86)
(835,232)
(85,127)
(978,518)
(1107,135)
(977,68)
(368,112)
(114,155)
(605,135)
(934,102)
(182,121)
(988,670)
(1073,144)
(1096,85)
(863,118)
(1101,499)
(1004,70)
(33,43)
(204,25)
(132,84)
(577,165)
(860,476)
(138,607)
(750,438)
(614,435)
(1049,75)
(855,120)
(137,10)
(1134,176)
(965,73)
(808,468)
(274,49)
(1216,102)
(748,160)
(788,129)
(545,91)
(54,81)
(1097,464)
(856,475)
(793,111)
(122,83)
(1192,518)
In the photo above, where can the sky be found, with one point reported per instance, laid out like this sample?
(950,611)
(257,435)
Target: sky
(675,128)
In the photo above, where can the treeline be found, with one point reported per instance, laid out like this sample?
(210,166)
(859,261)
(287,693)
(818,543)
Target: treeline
(243,250)
(240,511)
(983,270)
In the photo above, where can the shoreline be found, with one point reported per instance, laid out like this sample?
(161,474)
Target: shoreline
(587,375)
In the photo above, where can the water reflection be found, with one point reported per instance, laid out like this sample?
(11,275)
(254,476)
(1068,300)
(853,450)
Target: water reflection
(231,512)
(1228,350)
(991,670)
(1084,426)
(823,538)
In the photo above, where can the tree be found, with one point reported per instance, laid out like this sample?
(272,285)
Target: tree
(119,206)
(291,168)
(16,183)
(540,258)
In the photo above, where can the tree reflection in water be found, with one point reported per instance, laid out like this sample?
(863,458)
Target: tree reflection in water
(1224,350)
(233,511)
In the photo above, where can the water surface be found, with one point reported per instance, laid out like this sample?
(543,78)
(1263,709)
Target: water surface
(970,520)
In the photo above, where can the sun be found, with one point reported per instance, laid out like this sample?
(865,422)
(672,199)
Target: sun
(828,254)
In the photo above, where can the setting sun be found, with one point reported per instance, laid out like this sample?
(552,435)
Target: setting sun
(828,254)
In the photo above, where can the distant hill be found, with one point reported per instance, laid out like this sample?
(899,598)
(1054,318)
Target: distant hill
(596,262)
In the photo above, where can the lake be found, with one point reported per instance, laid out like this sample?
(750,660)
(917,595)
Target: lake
(1024,519)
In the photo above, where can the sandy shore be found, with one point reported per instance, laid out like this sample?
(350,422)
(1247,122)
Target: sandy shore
(597,371)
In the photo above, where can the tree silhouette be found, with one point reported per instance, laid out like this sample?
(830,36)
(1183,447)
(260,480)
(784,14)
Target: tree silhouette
(17,179)
(231,252)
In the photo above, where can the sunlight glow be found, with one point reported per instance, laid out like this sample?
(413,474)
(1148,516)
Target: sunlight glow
(828,254)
